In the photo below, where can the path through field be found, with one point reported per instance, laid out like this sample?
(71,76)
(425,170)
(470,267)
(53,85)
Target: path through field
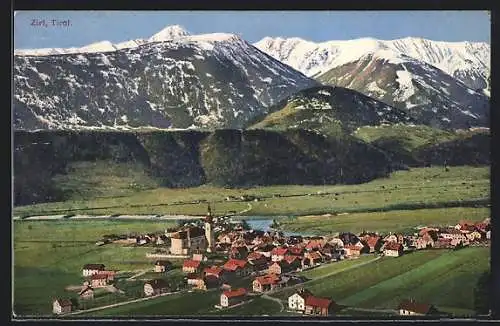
(282,307)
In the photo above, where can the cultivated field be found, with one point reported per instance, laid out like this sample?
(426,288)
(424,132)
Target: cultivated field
(49,255)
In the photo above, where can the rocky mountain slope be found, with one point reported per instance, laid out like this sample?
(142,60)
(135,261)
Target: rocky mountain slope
(173,80)
(424,91)
(469,62)
(331,111)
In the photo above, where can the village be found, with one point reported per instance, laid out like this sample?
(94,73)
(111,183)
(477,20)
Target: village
(212,254)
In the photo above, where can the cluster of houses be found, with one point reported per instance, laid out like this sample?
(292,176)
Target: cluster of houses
(269,260)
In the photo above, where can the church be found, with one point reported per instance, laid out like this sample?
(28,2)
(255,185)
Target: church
(194,239)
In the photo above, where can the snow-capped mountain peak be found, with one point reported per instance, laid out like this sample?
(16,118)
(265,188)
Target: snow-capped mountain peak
(467,61)
(169,33)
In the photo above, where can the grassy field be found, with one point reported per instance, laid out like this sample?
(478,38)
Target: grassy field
(419,187)
(334,267)
(440,277)
(48,256)
(391,221)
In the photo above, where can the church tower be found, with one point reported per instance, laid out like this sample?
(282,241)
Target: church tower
(209,232)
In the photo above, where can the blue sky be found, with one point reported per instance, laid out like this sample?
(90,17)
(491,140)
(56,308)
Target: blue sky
(116,26)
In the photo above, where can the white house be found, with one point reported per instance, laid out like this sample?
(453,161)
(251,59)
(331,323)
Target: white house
(61,306)
(230,298)
(92,269)
(296,301)
(155,287)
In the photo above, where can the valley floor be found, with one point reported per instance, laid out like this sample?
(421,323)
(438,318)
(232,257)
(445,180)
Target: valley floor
(48,255)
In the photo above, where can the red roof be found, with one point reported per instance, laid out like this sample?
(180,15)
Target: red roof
(214,270)
(267,279)
(279,251)
(191,263)
(234,264)
(393,246)
(99,276)
(409,305)
(318,302)
(372,241)
(235,293)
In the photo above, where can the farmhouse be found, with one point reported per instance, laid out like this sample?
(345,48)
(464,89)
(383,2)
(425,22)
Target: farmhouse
(91,269)
(258,264)
(99,280)
(155,287)
(265,249)
(236,267)
(266,283)
(297,301)
(412,308)
(191,266)
(188,240)
(393,249)
(229,298)
(161,266)
(318,306)
(86,293)
(293,261)
(314,258)
(61,306)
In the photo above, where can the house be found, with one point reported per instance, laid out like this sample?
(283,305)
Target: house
(453,234)
(314,258)
(278,254)
(232,297)
(61,306)
(412,308)
(237,267)
(161,266)
(155,287)
(297,301)
(86,293)
(393,249)
(352,251)
(191,266)
(318,306)
(456,242)
(91,269)
(442,243)
(279,267)
(266,283)
(99,280)
(374,243)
